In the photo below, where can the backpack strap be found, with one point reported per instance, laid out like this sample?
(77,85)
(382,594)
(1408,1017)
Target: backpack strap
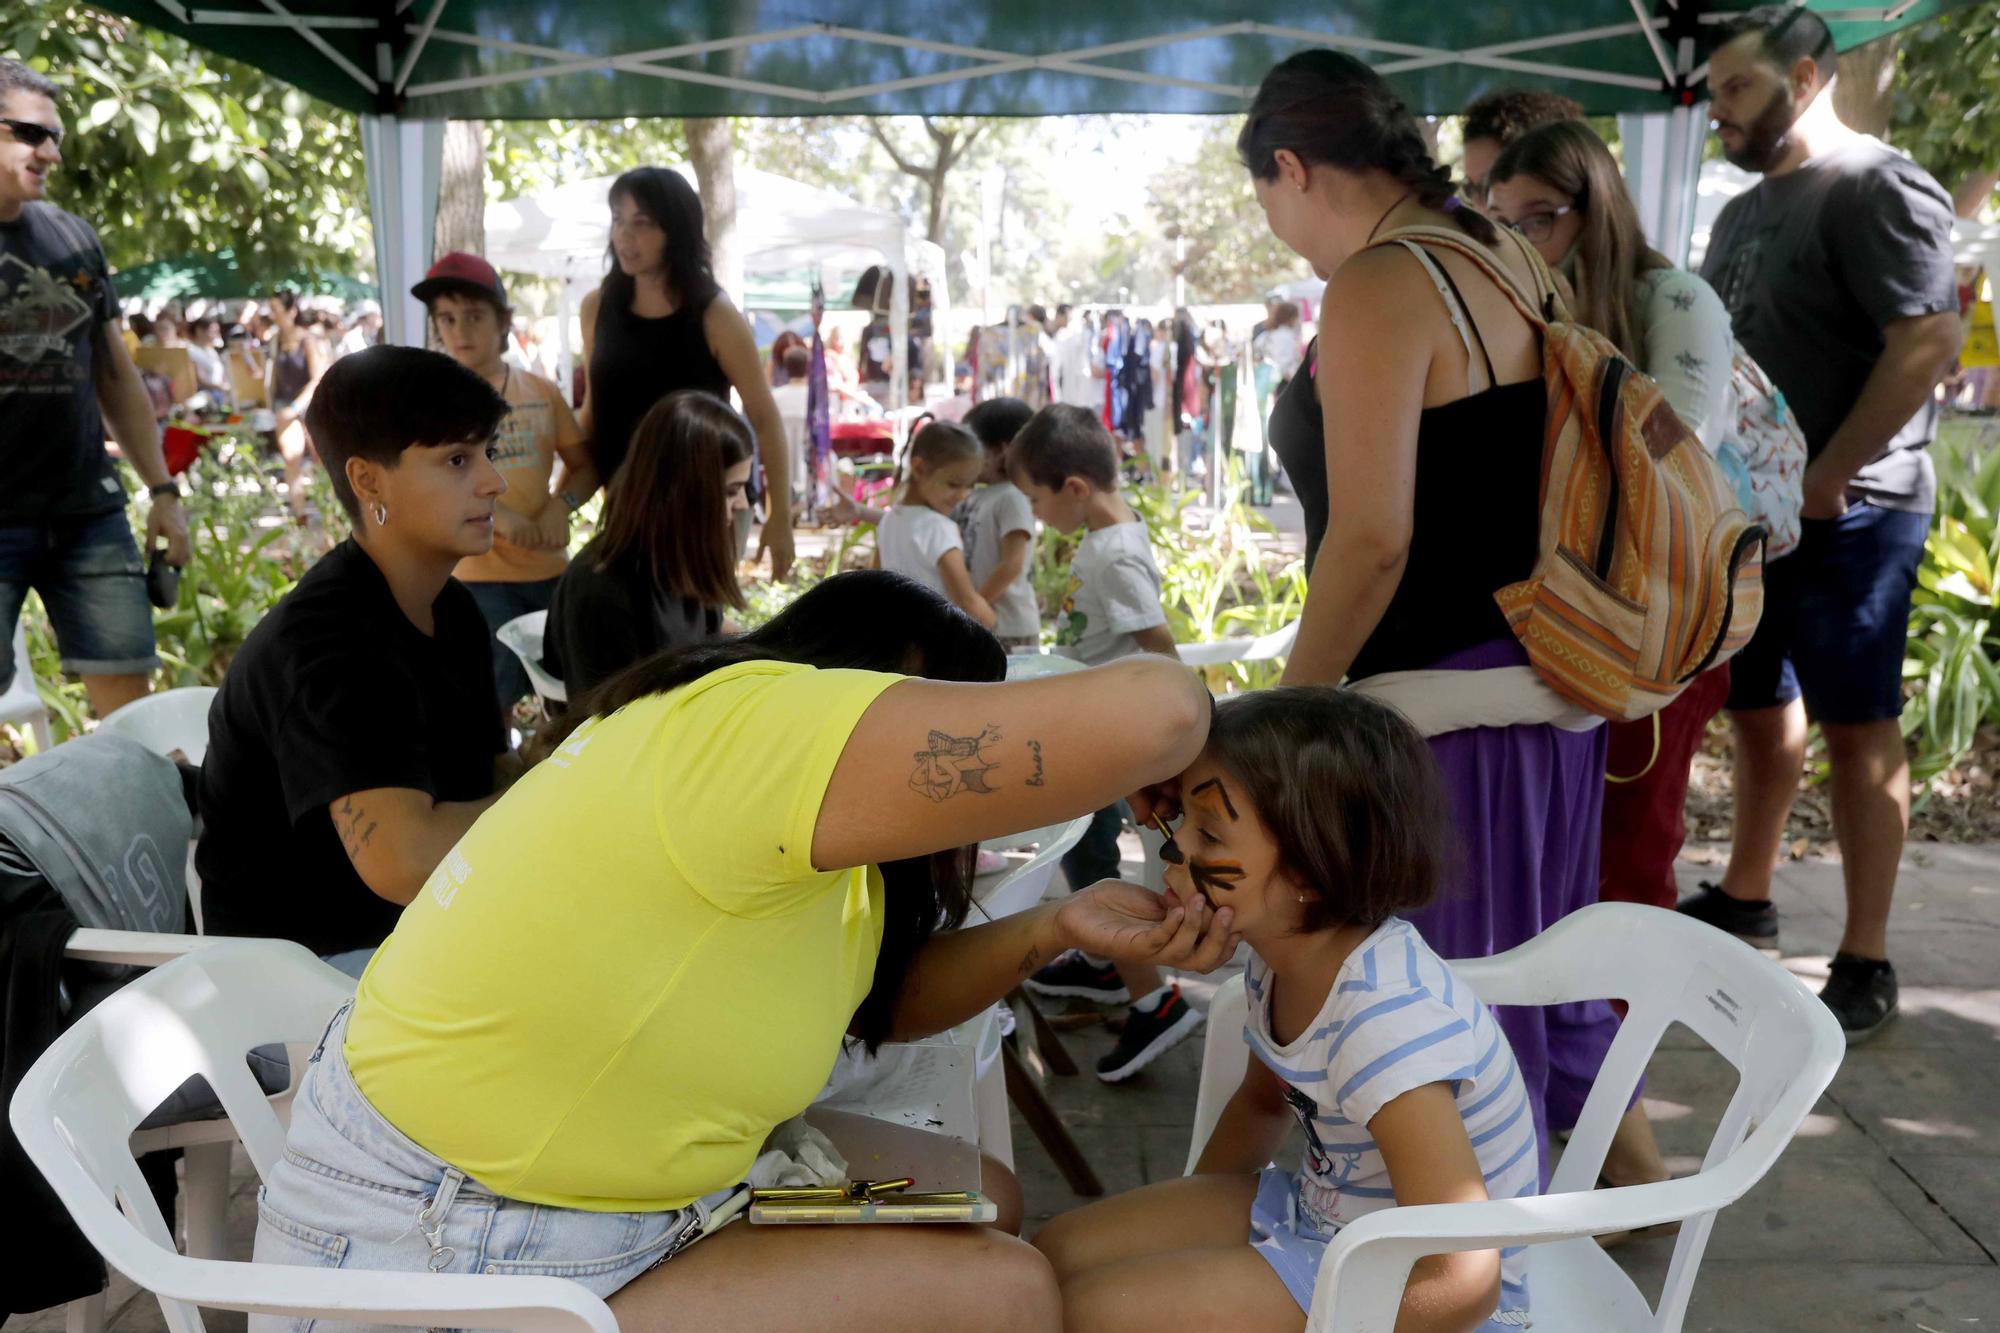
(1461,314)
(1539,308)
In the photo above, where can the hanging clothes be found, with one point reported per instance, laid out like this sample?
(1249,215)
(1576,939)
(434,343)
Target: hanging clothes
(1117,384)
(1136,376)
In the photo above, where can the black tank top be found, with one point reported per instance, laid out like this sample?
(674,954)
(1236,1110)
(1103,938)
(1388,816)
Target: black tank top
(1476,519)
(290,373)
(634,363)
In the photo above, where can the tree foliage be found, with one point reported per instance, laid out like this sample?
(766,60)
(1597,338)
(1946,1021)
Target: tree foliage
(1231,254)
(1947,104)
(526,156)
(176,151)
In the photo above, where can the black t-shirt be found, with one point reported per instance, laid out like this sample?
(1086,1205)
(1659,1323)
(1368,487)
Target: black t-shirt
(335,692)
(603,620)
(55,295)
(1812,265)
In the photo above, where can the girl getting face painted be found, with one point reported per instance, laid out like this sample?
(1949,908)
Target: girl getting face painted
(1223,852)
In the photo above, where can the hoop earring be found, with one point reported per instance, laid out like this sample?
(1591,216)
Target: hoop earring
(381,514)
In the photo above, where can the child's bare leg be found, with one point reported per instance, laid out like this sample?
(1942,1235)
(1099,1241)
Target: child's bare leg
(1196,1290)
(1140,980)
(1194,1212)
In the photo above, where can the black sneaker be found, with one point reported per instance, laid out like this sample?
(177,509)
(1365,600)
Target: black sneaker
(1862,994)
(1756,924)
(1072,976)
(1146,1035)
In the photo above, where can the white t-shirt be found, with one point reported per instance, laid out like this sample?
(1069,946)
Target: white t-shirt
(986,518)
(1690,352)
(1395,1019)
(791,402)
(1114,592)
(911,539)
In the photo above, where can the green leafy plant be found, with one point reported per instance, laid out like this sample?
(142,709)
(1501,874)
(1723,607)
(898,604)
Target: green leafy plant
(1952,665)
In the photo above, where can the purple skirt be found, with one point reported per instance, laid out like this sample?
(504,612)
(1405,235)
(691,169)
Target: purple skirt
(1527,802)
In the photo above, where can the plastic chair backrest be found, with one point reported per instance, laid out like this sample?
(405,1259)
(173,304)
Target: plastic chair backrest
(1262,648)
(76,1108)
(523,635)
(1024,886)
(1667,968)
(23,701)
(168,721)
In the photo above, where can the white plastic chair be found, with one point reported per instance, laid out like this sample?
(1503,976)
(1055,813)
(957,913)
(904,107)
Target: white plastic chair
(168,721)
(523,635)
(1668,968)
(23,701)
(78,1105)
(1261,648)
(171,720)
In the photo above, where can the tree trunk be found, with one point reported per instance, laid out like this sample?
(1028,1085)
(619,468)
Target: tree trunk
(461,210)
(1861,89)
(934,230)
(1973,192)
(712,149)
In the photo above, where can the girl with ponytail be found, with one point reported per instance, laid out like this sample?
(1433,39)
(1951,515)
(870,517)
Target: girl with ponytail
(1414,439)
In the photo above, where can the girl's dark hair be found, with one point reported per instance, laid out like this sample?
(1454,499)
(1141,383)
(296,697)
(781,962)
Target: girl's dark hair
(382,400)
(869,620)
(666,198)
(1334,110)
(938,442)
(665,515)
(287,298)
(1350,793)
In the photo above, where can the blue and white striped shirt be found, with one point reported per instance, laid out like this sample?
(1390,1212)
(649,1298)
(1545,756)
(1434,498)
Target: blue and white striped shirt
(1396,1019)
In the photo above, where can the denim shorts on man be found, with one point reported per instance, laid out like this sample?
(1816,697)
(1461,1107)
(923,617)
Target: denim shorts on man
(352,1191)
(93,586)
(1836,619)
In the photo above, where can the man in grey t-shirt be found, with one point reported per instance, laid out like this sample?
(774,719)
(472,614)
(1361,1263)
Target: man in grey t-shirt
(1837,272)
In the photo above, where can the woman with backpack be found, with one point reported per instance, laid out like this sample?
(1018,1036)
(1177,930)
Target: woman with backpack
(1414,437)
(1560,188)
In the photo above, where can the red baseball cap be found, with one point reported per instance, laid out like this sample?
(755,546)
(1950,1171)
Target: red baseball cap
(459,271)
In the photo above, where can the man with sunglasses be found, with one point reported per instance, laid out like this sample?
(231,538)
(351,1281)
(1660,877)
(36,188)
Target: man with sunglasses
(1837,271)
(65,374)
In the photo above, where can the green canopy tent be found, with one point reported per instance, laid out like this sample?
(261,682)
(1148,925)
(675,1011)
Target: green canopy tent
(218,277)
(407,65)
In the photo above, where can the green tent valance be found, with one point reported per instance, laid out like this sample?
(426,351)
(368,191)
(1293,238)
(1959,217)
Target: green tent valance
(523,59)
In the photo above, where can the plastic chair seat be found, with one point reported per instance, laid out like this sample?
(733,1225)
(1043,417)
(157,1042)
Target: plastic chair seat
(523,636)
(168,721)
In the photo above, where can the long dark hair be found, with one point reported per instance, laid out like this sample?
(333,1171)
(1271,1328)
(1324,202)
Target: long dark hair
(665,515)
(869,620)
(1334,110)
(1350,793)
(667,198)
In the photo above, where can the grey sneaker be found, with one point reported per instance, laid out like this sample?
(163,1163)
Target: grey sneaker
(1756,924)
(1862,994)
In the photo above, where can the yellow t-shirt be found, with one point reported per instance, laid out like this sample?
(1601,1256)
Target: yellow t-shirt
(628,971)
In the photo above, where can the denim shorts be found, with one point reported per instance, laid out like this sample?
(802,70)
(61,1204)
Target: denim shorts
(1836,618)
(93,586)
(352,1191)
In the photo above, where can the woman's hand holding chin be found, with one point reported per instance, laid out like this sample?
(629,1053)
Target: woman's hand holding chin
(1130,924)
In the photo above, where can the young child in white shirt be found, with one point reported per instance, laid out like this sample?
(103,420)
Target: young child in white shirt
(999,528)
(1314,815)
(917,538)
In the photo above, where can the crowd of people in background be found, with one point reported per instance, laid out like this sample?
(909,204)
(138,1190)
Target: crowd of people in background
(711,805)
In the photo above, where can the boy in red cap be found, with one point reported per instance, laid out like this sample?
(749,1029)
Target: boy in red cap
(468,309)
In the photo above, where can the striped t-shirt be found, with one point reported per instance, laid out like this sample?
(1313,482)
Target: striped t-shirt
(1397,1019)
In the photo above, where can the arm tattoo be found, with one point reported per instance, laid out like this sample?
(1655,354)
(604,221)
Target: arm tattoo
(1035,748)
(355,828)
(953,764)
(1030,961)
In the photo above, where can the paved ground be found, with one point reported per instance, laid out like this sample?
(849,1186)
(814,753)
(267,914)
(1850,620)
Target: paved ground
(1885,1213)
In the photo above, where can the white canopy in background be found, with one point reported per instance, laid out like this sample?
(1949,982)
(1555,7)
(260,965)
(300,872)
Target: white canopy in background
(782,225)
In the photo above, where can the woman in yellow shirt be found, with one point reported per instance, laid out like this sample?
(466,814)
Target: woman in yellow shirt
(647,954)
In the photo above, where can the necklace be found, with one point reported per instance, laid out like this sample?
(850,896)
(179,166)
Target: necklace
(1385,217)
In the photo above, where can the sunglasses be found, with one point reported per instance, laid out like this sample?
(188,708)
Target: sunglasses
(30,135)
(1539,226)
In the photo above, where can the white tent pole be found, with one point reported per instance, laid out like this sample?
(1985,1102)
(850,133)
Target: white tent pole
(1653,40)
(403,159)
(636,62)
(229,18)
(1545,43)
(899,328)
(417,47)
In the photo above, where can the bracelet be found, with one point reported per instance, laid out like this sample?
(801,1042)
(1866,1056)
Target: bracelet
(165,488)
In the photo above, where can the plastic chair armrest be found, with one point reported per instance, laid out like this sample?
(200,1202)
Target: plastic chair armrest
(536,1304)
(1369,1262)
(136,947)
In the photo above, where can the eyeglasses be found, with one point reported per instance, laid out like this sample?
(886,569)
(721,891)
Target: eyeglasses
(1539,226)
(30,135)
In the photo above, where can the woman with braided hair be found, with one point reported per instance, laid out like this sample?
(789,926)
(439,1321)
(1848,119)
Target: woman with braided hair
(1414,437)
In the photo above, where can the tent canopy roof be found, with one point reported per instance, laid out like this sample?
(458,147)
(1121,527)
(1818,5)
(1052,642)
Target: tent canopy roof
(528,59)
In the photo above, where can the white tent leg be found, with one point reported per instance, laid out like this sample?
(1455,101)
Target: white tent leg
(403,158)
(899,332)
(1662,168)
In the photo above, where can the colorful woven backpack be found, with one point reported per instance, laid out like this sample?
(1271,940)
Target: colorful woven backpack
(1649,572)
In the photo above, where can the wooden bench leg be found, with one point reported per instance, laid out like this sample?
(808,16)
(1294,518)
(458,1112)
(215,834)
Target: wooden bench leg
(1040,1038)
